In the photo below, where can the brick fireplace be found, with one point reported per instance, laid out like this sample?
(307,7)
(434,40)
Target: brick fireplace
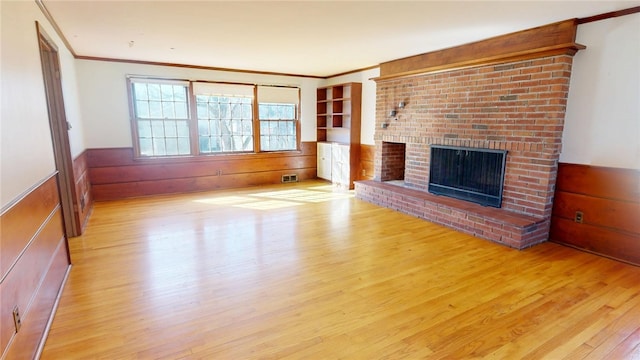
(516,106)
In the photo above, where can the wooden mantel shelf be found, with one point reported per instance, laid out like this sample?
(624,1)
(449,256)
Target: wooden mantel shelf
(567,49)
(548,40)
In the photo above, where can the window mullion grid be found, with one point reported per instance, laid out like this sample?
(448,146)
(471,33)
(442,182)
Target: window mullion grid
(164,131)
(281,138)
(225,123)
(218,126)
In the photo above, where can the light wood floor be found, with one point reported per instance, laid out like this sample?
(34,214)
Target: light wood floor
(300,272)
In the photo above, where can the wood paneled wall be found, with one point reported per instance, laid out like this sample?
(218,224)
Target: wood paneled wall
(115,174)
(33,265)
(83,197)
(367,152)
(609,201)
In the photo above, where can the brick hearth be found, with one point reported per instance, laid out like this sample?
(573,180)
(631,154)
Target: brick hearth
(499,225)
(517,106)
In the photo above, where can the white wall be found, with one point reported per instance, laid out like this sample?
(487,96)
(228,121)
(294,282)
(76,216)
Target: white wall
(105,104)
(602,126)
(72,100)
(368,100)
(26,150)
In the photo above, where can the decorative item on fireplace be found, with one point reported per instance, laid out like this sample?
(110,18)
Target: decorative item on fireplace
(470,174)
(394,113)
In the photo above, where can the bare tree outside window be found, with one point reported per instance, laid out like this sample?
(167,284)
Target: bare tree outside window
(224,123)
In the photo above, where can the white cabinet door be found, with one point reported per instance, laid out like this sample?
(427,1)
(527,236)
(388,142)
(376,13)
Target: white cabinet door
(340,165)
(324,160)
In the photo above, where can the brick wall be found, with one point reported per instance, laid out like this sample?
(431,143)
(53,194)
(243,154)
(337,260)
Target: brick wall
(518,107)
(394,161)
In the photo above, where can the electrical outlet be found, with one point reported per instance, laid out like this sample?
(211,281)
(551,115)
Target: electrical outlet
(579,217)
(16,318)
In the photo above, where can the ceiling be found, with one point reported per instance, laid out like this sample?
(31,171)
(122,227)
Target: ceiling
(311,38)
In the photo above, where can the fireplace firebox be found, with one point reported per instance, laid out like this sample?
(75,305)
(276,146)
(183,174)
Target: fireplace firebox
(470,174)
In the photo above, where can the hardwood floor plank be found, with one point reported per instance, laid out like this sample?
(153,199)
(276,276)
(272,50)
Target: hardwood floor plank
(629,348)
(616,332)
(576,330)
(299,271)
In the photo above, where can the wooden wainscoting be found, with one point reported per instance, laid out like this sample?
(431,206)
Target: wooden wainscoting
(608,200)
(115,174)
(367,153)
(84,199)
(33,264)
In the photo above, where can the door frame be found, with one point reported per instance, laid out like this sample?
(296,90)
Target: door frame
(59,130)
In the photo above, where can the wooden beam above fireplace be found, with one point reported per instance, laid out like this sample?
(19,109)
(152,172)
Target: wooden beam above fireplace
(549,40)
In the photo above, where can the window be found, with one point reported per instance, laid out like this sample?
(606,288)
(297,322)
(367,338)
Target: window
(225,117)
(278,114)
(161,118)
(277,127)
(222,119)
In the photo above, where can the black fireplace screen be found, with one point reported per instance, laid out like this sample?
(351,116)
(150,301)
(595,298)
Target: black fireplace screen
(470,174)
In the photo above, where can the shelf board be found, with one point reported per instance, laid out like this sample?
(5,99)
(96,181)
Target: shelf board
(332,128)
(331,100)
